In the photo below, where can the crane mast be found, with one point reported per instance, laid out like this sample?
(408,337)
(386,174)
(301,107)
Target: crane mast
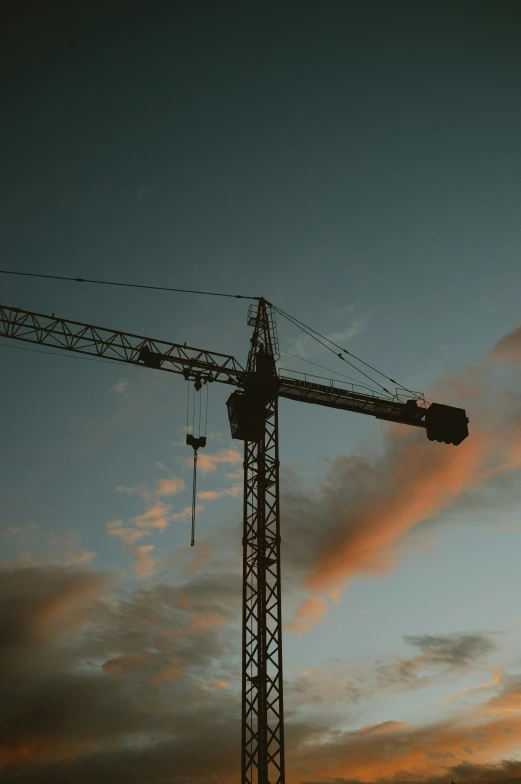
(262,746)
(253,416)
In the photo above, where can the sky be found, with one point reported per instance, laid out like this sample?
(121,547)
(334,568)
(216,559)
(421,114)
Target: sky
(358,164)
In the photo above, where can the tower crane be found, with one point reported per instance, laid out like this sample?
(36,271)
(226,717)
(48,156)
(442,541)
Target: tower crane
(253,415)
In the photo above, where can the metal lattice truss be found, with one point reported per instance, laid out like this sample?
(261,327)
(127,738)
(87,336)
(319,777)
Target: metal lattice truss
(117,346)
(394,409)
(262,689)
(262,720)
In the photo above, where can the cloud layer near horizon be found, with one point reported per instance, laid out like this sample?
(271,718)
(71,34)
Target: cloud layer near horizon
(143,685)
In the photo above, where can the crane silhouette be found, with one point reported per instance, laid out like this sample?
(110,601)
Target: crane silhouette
(253,415)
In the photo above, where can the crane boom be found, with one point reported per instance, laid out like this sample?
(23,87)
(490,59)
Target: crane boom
(190,362)
(117,346)
(391,409)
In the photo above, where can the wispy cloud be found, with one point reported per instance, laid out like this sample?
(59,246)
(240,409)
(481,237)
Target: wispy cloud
(497,675)
(209,462)
(226,492)
(186,512)
(128,535)
(170,486)
(144,563)
(237,474)
(311,612)
(121,386)
(139,490)
(306,346)
(156,516)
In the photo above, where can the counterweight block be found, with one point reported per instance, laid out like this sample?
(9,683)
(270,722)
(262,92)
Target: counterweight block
(446,424)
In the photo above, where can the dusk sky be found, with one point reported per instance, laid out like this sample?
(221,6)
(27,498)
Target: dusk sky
(359,165)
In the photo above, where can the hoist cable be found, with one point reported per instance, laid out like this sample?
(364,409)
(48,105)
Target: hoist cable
(305,327)
(187,406)
(206,411)
(329,370)
(194,496)
(126,285)
(200,411)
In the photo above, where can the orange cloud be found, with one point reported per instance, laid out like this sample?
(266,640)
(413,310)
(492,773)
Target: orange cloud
(155,517)
(170,486)
(208,463)
(422,479)
(367,507)
(144,563)
(186,512)
(127,535)
(497,675)
(311,611)
(394,749)
(142,492)
(213,685)
(167,675)
(211,495)
(203,622)
(507,348)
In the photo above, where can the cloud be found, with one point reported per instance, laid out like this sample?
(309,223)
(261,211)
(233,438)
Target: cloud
(237,474)
(170,486)
(186,512)
(209,462)
(156,516)
(212,685)
(121,666)
(87,680)
(396,751)
(78,557)
(8,529)
(142,686)
(360,519)
(310,612)
(455,649)
(507,348)
(212,495)
(305,346)
(66,546)
(139,490)
(366,507)
(121,386)
(128,535)
(144,563)
(497,675)
(439,656)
